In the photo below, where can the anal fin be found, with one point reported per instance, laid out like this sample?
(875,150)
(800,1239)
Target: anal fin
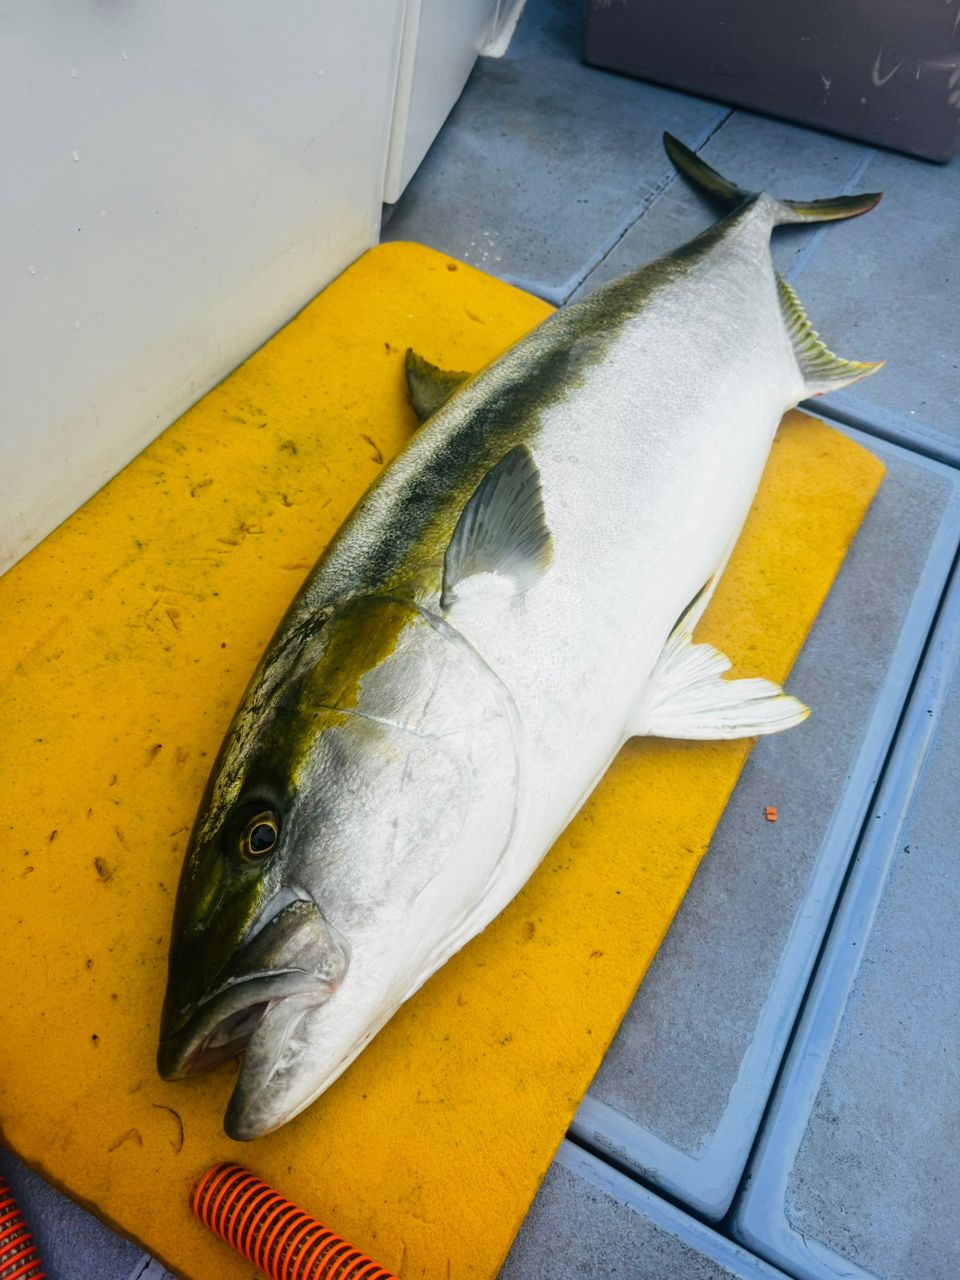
(687,697)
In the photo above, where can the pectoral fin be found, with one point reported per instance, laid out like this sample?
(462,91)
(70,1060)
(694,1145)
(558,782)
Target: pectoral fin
(429,386)
(502,529)
(687,697)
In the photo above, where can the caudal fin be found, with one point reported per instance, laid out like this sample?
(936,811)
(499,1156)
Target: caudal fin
(715,184)
(821,370)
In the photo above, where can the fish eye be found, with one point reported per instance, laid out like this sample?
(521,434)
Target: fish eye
(260,835)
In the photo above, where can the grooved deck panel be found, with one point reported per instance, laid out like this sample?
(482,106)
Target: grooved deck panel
(591,1220)
(857,1171)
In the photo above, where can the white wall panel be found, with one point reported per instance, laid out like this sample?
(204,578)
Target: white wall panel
(441,41)
(176,180)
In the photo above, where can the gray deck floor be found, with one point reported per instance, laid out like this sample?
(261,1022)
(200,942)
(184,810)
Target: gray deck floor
(782,1097)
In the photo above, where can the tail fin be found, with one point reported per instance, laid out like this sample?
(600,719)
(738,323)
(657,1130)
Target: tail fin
(715,184)
(820,369)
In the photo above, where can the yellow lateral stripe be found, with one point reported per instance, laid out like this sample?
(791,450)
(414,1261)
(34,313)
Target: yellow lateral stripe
(129,636)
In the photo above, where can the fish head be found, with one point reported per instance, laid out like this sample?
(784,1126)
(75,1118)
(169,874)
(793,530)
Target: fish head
(247,936)
(327,867)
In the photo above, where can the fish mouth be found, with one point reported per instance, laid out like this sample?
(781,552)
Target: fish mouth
(292,954)
(224,1025)
(228,1039)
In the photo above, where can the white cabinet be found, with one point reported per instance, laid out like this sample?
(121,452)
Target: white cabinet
(178,179)
(441,41)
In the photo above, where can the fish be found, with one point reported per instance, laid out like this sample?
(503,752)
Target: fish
(514,598)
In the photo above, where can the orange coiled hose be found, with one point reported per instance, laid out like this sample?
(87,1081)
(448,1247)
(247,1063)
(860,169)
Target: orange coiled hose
(19,1259)
(274,1234)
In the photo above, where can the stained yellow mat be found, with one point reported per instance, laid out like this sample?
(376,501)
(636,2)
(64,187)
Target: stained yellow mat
(128,637)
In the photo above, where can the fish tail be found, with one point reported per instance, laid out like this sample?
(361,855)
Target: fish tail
(712,183)
(820,369)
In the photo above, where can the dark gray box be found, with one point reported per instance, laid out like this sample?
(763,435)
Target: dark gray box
(885,71)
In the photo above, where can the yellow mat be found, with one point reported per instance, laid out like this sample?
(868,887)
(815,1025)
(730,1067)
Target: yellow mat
(128,637)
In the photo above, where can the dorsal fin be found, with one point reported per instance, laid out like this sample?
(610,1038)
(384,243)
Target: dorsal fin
(429,386)
(502,529)
(821,369)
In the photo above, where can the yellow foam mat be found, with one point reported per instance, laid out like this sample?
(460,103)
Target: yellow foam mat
(128,637)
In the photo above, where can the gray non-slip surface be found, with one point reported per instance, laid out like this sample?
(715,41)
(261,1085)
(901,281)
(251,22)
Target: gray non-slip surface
(878,1174)
(544,162)
(590,1221)
(680,1095)
(72,1243)
(859,1170)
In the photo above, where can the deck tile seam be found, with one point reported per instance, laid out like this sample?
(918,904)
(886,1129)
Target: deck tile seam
(560,295)
(818,1024)
(925,442)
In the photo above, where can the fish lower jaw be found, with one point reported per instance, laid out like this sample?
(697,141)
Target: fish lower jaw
(263,1099)
(244,1122)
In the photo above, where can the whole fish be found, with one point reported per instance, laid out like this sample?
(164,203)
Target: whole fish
(512,599)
